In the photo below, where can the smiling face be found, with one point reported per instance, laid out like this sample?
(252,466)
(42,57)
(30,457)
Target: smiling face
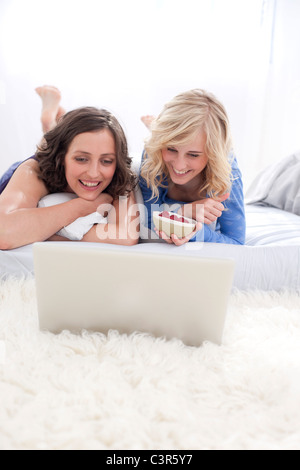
(185,163)
(90,163)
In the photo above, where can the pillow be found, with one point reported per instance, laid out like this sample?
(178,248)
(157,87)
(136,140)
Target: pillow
(77,229)
(278,185)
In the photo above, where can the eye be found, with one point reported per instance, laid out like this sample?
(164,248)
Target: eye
(80,159)
(194,155)
(107,162)
(171,149)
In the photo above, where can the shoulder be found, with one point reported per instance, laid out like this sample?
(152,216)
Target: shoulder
(29,172)
(25,187)
(147,192)
(233,161)
(29,166)
(235,169)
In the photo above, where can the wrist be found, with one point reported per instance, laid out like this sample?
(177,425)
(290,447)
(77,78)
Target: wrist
(81,207)
(186,210)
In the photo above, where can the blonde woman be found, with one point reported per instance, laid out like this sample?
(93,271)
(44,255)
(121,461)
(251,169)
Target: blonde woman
(188,164)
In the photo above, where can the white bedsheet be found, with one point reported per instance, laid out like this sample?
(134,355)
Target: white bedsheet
(269,261)
(269,226)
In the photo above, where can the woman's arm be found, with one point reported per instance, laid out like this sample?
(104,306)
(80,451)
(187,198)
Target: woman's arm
(21,222)
(123,224)
(205,210)
(231,224)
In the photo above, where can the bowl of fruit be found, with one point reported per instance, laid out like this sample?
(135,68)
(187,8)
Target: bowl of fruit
(171,223)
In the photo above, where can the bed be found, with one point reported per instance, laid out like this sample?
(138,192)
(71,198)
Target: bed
(105,392)
(270,259)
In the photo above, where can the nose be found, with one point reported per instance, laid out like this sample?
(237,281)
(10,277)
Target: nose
(179,162)
(93,170)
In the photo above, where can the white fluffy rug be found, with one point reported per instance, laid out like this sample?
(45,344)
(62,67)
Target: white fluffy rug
(137,392)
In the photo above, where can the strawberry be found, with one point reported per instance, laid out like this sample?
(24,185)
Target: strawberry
(174,217)
(165,214)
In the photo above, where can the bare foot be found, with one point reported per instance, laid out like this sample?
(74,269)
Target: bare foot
(51,109)
(147,120)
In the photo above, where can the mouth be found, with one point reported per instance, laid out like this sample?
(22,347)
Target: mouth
(181,174)
(90,185)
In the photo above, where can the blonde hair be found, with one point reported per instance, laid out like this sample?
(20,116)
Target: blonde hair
(179,122)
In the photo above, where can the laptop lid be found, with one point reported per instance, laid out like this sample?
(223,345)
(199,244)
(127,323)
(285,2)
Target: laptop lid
(87,287)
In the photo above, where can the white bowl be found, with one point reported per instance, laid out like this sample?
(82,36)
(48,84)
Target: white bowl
(181,229)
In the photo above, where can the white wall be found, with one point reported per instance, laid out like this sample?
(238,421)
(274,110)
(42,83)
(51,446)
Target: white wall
(132,56)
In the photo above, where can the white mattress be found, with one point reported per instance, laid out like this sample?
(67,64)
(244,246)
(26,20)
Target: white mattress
(270,226)
(270,260)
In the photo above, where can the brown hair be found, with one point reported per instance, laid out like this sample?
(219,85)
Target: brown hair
(51,153)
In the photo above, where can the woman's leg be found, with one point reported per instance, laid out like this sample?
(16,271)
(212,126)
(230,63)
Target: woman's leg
(51,109)
(147,120)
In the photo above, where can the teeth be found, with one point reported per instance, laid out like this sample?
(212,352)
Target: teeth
(180,172)
(89,185)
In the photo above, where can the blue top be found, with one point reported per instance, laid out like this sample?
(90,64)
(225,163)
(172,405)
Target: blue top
(229,228)
(5,179)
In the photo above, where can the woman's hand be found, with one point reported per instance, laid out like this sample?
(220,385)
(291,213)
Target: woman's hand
(179,241)
(101,204)
(205,210)
(123,224)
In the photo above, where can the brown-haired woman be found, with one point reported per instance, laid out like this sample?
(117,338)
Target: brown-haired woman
(84,154)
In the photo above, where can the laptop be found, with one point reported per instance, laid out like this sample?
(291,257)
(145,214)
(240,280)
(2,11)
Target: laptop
(86,287)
